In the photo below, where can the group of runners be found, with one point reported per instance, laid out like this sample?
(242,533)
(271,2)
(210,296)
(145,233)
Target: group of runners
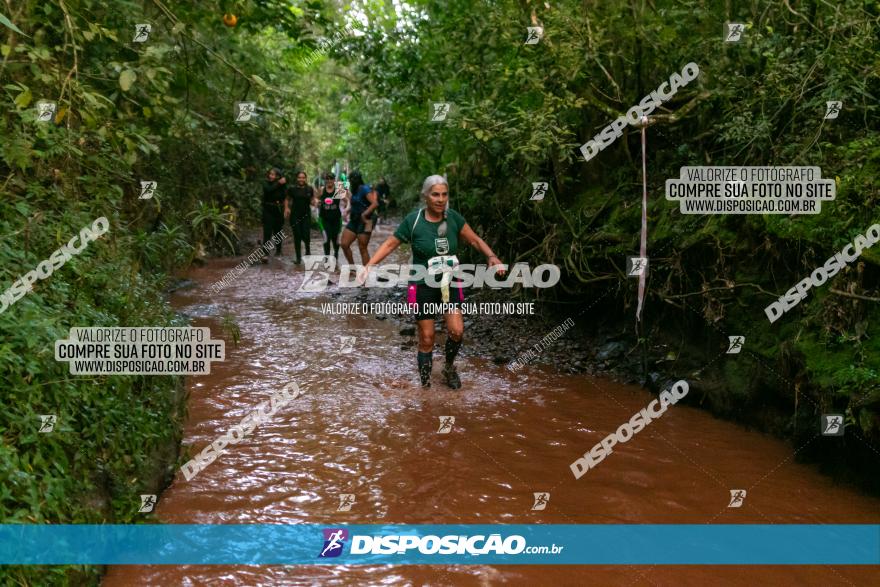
(435,233)
(357,208)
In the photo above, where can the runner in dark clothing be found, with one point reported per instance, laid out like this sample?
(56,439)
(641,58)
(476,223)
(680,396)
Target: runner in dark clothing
(435,234)
(384,194)
(297,207)
(360,225)
(330,206)
(273,207)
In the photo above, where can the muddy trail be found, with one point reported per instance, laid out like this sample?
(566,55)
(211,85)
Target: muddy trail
(363,426)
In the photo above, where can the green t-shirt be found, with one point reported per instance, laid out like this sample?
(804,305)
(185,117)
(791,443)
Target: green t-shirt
(424,239)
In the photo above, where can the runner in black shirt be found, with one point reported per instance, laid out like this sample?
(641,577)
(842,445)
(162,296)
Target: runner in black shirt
(384,193)
(330,205)
(273,204)
(297,207)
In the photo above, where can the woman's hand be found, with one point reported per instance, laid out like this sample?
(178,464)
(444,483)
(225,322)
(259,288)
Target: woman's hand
(492,261)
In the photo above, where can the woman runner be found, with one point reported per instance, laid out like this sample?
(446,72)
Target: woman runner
(297,207)
(273,208)
(360,225)
(435,234)
(330,209)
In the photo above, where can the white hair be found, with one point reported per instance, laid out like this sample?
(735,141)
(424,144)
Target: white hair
(430,182)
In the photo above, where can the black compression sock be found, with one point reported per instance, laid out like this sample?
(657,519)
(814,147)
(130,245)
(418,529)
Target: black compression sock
(452,347)
(426,361)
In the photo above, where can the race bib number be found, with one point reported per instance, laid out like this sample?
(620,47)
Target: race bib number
(442,264)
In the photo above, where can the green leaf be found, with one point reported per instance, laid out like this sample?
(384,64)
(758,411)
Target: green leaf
(8,24)
(23,99)
(126,78)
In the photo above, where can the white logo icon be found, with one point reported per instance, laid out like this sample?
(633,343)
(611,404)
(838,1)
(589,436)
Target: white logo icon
(535,34)
(735,344)
(446,423)
(317,272)
(141,32)
(346,500)
(46,110)
(539,190)
(147,190)
(148,502)
(347,344)
(832,424)
(833,109)
(636,266)
(439,111)
(47,423)
(737,498)
(541,501)
(335,543)
(244,111)
(733,32)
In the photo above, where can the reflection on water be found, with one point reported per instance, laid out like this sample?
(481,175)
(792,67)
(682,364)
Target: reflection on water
(365,427)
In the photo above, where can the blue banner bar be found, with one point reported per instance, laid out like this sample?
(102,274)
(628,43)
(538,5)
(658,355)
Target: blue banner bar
(495,544)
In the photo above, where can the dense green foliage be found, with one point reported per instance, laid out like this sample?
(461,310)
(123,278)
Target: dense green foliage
(163,111)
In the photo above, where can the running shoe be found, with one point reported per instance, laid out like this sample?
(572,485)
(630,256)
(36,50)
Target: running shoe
(450,375)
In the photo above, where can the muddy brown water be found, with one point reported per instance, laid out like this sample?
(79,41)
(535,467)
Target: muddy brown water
(364,426)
